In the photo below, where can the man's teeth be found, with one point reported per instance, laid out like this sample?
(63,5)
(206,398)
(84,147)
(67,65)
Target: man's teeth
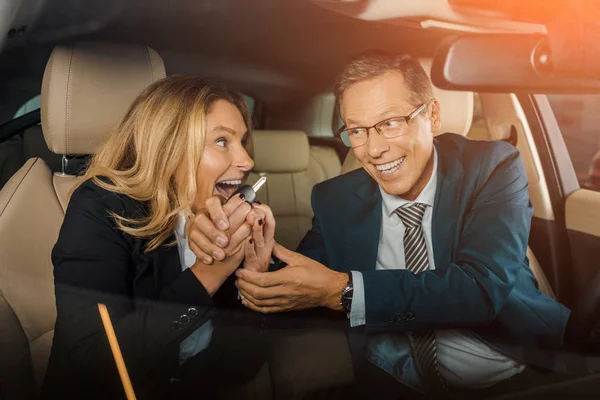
(391,166)
(234,182)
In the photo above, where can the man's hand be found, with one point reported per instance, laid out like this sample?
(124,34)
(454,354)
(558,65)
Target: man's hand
(303,284)
(259,247)
(219,230)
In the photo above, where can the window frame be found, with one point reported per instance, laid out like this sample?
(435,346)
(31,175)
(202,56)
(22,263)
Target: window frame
(561,181)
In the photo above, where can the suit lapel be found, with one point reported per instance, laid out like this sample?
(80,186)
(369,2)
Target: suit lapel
(446,204)
(363,217)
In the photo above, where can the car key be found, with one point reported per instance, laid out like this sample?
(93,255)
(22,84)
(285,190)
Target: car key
(249,192)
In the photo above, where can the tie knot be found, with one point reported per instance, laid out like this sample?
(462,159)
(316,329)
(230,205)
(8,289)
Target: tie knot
(412,215)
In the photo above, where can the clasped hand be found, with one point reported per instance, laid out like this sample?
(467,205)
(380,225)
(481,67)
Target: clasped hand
(221,234)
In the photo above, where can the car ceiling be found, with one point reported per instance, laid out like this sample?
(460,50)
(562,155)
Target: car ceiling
(267,48)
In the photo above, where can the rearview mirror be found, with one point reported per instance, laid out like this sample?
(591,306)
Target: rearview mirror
(511,63)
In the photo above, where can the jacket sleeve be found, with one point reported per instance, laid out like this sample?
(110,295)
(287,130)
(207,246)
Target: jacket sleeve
(313,245)
(93,263)
(471,289)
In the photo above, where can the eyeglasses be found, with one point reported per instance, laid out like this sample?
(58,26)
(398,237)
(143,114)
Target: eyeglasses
(388,128)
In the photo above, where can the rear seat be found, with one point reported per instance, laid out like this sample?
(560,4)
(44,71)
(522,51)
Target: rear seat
(292,167)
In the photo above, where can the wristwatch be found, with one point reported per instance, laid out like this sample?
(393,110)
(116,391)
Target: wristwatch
(346,296)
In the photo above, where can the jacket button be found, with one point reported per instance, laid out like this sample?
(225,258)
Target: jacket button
(184,319)
(410,316)
(176,325)
(192,312)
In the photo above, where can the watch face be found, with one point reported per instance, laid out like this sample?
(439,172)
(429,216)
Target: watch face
(347,298)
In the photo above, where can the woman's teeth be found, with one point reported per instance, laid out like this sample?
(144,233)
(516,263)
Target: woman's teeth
(233,182)
(390,167)
(227,188)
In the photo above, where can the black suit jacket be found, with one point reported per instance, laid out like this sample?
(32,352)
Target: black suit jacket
(153,305)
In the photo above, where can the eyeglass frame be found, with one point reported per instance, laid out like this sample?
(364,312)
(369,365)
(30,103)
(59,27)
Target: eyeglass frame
(407,118)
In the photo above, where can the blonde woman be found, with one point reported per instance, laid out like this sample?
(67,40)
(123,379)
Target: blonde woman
(124,242)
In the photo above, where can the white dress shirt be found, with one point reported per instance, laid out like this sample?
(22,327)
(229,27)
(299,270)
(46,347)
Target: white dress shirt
(200,339)
(463,359)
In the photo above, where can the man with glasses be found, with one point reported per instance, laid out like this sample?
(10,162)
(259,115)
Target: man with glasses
(423,248)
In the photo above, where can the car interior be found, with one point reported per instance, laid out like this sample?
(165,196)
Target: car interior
(88,62)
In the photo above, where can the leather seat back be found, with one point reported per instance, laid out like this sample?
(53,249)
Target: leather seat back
(86,89)
(292,167)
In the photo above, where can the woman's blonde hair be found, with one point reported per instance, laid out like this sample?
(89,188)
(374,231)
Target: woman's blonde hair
(160,138)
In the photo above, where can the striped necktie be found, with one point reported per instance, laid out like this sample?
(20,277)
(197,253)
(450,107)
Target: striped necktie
(417,261)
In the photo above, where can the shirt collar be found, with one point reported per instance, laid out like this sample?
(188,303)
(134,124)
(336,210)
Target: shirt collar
(427,196)
(180,226)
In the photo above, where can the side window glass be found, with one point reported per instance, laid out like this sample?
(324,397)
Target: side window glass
(251,103)
(255,113)
(578,119)
(338,123)
(32,105)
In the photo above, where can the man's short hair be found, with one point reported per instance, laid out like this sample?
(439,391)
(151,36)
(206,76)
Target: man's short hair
(371,64)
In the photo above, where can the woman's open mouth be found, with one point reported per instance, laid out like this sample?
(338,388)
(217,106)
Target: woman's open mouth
(227,187)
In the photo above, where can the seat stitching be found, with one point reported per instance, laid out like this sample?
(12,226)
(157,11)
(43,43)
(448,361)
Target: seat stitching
(1,213)
(1,292)
(18,319)
(49,103)
(39,336)
(64,207)
(68,101)
(18,185)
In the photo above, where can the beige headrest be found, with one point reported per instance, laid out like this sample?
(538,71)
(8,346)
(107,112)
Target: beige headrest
(456,107)
(88,87)
(280,151)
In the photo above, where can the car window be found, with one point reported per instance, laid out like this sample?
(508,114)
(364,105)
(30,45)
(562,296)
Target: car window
(579,121)
(251,103)
(31,105)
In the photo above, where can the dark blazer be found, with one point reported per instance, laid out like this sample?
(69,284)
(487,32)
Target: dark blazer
(480,230)
(152,303)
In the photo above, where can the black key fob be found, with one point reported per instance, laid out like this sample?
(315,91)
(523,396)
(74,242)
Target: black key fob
(249,192)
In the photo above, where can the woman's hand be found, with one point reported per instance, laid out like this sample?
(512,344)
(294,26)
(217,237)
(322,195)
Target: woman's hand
(252,241)
(259,246)
(213,275)
(219,230)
